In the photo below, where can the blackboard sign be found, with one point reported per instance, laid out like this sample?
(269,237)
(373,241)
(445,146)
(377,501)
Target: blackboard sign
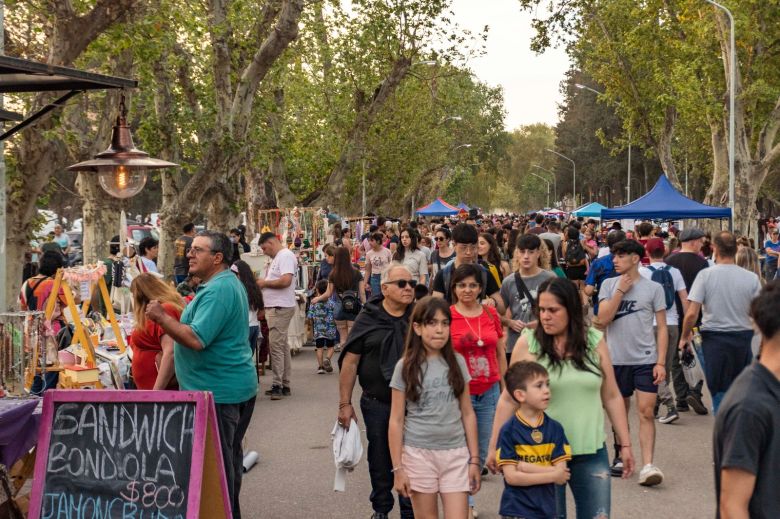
(128,454)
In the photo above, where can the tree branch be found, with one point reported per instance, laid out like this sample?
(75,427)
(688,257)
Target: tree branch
(768,133)
(220,30)
(283,33)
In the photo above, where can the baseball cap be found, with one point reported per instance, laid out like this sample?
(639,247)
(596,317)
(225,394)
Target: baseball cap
(654,245)
(691,234)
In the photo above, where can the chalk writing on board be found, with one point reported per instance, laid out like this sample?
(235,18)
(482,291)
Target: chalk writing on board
(119,460)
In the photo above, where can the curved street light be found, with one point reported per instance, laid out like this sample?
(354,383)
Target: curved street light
(628,176)
(732,88)
(546,182)
(555,180)
(574,173)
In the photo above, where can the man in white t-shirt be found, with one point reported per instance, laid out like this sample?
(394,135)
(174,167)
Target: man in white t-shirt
(673,284)
(278,286)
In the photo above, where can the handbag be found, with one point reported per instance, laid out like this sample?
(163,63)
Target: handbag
(523,289)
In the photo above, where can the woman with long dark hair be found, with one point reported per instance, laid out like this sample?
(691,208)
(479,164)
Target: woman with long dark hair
(254,295)
(488,251)
(582,384)
(433,430)
(346,286)
(411,256)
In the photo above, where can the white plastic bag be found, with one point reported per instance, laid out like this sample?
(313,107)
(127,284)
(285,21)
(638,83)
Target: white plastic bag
(347,451)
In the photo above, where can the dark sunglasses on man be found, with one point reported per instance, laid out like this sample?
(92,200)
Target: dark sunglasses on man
(401,283)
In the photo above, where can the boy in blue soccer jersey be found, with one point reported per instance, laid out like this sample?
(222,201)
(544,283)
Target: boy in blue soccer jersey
(532,447)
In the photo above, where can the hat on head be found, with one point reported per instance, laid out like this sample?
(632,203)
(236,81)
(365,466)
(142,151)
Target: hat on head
(691,234)
(654,245)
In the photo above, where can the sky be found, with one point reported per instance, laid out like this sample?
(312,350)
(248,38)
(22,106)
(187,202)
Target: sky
(530,81)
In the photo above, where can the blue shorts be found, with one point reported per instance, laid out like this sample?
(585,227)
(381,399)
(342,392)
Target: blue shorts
(637,377)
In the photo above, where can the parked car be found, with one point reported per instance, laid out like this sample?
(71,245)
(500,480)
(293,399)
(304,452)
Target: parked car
(76,249)
(137,232)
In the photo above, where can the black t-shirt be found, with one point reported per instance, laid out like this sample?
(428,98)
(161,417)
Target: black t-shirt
(439,260)
(689,264)
(181,265)
(745,437)
(369,371)
(439,283)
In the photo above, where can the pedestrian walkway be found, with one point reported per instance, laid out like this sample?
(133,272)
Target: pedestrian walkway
(294,478)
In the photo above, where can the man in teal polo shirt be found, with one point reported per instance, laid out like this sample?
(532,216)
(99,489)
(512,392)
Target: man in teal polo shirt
(211,350)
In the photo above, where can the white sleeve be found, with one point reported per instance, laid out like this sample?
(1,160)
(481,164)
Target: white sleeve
(679,282)
(288,264)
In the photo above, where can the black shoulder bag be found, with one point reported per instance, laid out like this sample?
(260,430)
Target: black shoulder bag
(522,289)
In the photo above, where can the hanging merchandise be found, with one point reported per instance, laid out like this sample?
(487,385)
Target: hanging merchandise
(23,350)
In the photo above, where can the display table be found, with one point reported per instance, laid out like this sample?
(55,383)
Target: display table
(19,421)
(296,333)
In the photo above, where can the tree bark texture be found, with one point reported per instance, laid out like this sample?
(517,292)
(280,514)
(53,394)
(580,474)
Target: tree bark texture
(39,152)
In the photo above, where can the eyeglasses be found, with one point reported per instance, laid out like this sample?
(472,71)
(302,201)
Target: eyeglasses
(401,283)
(469,286)
(198,250)
(466,246)
(440,238)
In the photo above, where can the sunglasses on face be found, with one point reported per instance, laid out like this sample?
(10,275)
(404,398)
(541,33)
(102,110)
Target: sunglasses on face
(440,238)
(402,283)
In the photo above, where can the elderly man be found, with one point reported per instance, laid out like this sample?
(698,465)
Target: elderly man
(279,298)
(373,347)
(210,343)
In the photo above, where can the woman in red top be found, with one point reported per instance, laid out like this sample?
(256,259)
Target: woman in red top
(151,346)
(477,335)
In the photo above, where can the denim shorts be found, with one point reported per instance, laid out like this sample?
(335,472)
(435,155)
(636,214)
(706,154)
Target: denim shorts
(637,377)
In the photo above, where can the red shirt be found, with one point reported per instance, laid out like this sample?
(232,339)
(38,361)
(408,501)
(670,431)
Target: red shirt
(481,360)
(146,345)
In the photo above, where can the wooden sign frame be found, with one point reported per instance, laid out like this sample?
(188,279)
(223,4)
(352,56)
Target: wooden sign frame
(207,494)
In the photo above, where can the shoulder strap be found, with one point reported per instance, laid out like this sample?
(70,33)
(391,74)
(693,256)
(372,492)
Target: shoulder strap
(652,268)
(523,289)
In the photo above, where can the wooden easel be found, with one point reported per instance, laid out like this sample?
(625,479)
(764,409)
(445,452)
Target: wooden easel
(80,336)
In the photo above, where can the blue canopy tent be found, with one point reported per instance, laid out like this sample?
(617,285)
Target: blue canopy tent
(592,210)
(664,202)
(463,206)
(437,208)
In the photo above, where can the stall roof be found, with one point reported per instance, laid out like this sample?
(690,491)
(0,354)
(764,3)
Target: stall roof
(437,208)
(664,202)
(19,75)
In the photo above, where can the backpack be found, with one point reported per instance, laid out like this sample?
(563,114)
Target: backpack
(350,303)
(29,293)
(664,277)
(575,254)
(446,273)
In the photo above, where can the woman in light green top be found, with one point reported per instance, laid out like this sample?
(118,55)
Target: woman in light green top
(582,384)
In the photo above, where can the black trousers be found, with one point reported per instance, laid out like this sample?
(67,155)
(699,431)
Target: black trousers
(376,414)
(233,421)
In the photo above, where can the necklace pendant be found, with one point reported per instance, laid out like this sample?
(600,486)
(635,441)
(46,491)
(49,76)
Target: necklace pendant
(480,343)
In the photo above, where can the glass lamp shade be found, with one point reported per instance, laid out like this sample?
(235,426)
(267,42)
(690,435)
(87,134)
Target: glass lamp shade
(121,181)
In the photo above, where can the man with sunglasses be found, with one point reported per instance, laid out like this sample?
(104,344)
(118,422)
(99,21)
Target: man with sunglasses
(210,342)
(465,237)
(373,348)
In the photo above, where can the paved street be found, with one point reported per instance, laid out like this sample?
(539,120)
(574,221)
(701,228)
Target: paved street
(294,478)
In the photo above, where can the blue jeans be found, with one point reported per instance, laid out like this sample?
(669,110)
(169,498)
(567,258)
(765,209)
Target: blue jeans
(376,414)
(485,408)
(376,285)
(590,483)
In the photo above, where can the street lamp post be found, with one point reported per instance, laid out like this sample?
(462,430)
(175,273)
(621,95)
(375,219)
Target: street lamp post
(574,173)
(628,168)
(548,186)
(732,88)
(555,180)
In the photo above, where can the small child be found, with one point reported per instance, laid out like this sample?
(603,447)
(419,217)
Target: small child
(532,447)
(433,428)
(324,327)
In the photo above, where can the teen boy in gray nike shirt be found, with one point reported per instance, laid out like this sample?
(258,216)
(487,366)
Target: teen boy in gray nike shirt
(627,305)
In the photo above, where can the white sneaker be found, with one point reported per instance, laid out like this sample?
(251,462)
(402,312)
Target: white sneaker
(650,475)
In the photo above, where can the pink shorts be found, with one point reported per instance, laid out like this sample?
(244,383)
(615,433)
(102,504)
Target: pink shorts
(431,471)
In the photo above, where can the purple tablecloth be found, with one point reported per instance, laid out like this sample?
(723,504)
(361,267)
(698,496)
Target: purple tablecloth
(19,421)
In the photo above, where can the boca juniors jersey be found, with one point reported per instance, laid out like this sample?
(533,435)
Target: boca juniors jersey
(543,444)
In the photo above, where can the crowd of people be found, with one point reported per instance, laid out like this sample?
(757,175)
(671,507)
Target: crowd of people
(492,344)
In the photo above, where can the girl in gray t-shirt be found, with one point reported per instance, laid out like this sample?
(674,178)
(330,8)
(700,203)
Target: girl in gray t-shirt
(433,428)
